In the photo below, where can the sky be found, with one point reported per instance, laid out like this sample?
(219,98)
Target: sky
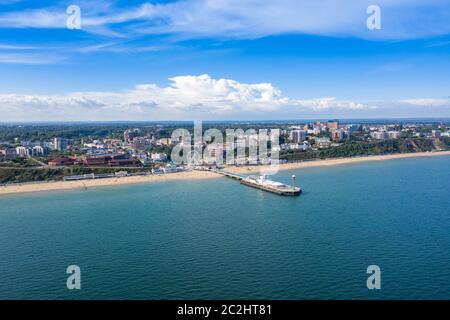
(223,60)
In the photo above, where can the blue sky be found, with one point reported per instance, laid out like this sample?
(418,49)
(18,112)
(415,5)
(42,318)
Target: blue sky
(192,59)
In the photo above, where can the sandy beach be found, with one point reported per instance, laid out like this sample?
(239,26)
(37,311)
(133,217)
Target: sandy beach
(194,175)
(87,184)
(333,162)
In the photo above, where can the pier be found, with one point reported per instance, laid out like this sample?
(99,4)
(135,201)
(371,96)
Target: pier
(263,183)
(229,174)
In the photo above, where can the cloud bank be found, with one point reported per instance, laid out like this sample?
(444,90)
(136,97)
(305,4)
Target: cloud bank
(199,97)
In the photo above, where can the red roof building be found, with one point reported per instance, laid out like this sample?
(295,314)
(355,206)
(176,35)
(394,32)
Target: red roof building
(61,161)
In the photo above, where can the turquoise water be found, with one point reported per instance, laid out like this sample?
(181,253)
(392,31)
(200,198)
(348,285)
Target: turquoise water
(217,239)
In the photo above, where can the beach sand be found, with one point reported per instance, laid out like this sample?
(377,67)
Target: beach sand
(87,184)
(332,162)
(194,175)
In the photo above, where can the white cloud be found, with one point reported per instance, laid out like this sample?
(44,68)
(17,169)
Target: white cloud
(186,97)
(30,58)
(203,97)
(4,46)
(428,102)
(321,104)
(401,19)
(40,18)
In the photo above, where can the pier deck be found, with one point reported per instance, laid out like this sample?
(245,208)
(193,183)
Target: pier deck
(229,175)
(277,188)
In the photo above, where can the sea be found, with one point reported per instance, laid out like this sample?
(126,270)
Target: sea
(218,239)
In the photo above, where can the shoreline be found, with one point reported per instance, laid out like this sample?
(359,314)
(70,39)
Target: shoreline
(20,188)
(334,162)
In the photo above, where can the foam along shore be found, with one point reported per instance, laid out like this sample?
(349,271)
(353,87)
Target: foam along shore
(332,162)
(194,175)
(87,184)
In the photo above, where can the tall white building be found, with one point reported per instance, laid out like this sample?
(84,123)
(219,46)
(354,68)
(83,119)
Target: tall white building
(297,136)
(23,151)
(59,144)
(38,151)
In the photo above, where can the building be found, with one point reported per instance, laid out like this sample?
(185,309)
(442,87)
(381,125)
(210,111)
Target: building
(129,135)
(339,134)
(127,162)
(158,157)
(333,124)
(8,153)
(322,143)
(253,140)
(379,135)
(436,133)
(143,159)
(394,134)
(240,144)
(109,160)
(383,135)
(297,136)
(296,146)
(316,131)
(61,161)
(139,143)
(164,141)
(23,152)
(59,144)
(38,151)
(353,127)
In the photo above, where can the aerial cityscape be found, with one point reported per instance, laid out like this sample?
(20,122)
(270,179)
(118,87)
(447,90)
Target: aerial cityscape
(223,157)
(99,151)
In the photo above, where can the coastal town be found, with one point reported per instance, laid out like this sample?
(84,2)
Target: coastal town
(146,150)
(224,159)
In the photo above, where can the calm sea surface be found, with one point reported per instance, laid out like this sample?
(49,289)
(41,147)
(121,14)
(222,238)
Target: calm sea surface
(217,239)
